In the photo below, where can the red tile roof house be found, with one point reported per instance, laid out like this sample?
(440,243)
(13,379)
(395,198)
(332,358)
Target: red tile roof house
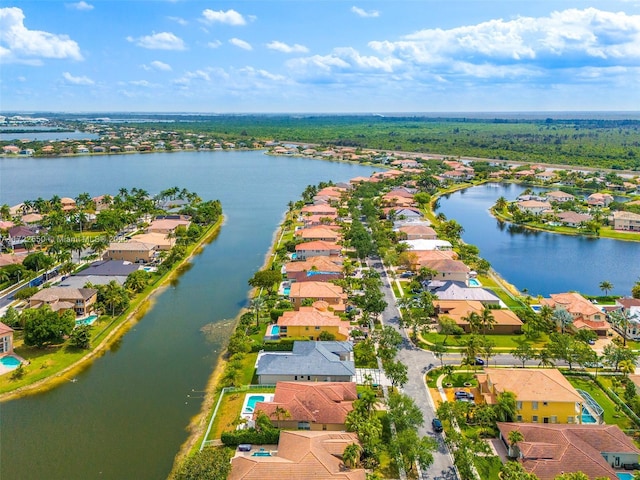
(317,248)
(418,232)
(60,299)
(168,225)
(584,313)
(325,291)
(599,200)
(310,405)
(300,455)
(316,220)
(534,206)
(310,322)
(551,449)
(6,340)
(324,234)
(324,210)
(320,264)
(558,196)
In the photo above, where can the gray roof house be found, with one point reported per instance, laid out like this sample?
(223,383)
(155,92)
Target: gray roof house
(452,290)
(110,268)
(309,362)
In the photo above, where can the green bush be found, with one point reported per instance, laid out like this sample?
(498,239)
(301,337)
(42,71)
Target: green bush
(250,435)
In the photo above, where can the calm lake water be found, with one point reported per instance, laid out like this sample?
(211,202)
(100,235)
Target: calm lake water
(46,136)
(126,416)
(541,262)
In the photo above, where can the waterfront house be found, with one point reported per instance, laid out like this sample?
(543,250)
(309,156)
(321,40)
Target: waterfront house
(630,308)
(161,241)
(536,207)
(68,204)
(310,405)
(585,314)
(6,339)
(599,200)
(322,210)
(559,197)
(325,291)
(311,266)
(573,219)
(317,248)
(460,291)
(546,176)
(308,362)
(506,322)
(80,300)
(448,269)
(421,244)
(550,450)
(167,224)
(418,232)
(310,322)
(299,454)
(626,221)
(542,395)
(321,233)
(131,251)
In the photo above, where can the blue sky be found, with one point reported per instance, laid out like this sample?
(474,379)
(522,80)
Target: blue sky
(319,56)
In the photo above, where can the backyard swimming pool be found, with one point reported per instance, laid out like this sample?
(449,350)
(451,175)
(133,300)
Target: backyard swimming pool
(588,418)
(10,361)
(536,308)
(251,400)
(624,475)
(474,282)
(86,321)
(275,330)
(286,291)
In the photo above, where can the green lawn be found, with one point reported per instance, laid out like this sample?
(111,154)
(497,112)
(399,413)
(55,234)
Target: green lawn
(612,415)
(488,467)
(501,341)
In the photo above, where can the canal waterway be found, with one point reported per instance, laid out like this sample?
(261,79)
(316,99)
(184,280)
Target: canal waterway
(125,416)
(540,262)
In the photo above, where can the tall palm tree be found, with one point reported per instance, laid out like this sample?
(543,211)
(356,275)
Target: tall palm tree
(514,437)
(351,455)
(606,286)
(487,320)
(257,305)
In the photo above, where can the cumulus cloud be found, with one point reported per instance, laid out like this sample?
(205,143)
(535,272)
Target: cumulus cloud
(159,41)
(241,44)
(261,74)
(158,65)
(283,47)
(77,80)
(179,21)
(19,44)
(80,6)
(214,44)
(195,75)
(140,83)
(230,17)
(365,14)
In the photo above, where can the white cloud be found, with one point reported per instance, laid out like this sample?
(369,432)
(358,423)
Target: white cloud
(214,44)
(140,83)
(241,44)
(365,14)
(179,21)
(157,65)
(261,74)
(82,5)
(283,47)
(77,80)
(18,42)
(159,41)
(195,75)
(230,17)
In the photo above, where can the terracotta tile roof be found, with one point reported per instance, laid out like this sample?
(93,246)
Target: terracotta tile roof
(313,402)
(456,309)
(63,293)
(131,245)
(543,385)
(425,256)
(551,449)
(446,265)
(418,230)
(316,290)
(312,317)
(319,210)
(317,232)
(572,302)
(301,454)
(4,329)
(318,245)
(321,264)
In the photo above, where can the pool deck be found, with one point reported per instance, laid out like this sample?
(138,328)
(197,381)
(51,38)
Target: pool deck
(268,397)
(4,369)
(273,449)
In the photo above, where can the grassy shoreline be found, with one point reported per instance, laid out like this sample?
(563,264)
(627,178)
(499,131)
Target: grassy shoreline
(119,326)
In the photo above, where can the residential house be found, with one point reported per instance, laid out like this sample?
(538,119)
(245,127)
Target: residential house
(310,405)
(599,200)
(550,450)
(324,291)
(60,299)
(299,454)
(317,220)
(506,322)
(573,219)
(310,322)
(542,395)
(405,212)
(460,291)
(585,314)
(546,176)
(308,362)
(322,210)
(325,234)
(418,232)
(101,273)
(131,251)
(448,270)
(428,244)
(630,308)
(167,224)
(422,258)
(102,202)
(559,197)
(32,218)
(161,241)
(311,266)
(6,339)
(626,221)
(536,207)
(317,248)
(68,204)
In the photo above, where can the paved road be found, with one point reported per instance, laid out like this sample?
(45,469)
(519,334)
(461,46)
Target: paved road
(417,361)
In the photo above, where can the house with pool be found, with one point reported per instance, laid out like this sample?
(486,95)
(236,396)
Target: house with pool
(6,340)
(542,395)
(310,322)
(327,292)
(308,362)
(584,313)
(506,322)
(80,300)
(310,405)
(599,451)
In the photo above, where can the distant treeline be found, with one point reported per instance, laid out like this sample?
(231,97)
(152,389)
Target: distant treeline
(593,142)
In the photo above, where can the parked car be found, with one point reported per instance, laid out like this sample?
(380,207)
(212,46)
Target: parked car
(244,447)
(479,361)
(436,424)
(462,395)
(407,274)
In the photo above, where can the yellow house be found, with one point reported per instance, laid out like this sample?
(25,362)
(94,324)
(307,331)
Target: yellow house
(310,322)
(542,395)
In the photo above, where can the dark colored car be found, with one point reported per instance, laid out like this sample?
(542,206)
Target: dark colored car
(436,424)
(244,447)
(479,361)
(462,395)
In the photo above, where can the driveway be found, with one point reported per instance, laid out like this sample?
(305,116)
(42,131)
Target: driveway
(418,363)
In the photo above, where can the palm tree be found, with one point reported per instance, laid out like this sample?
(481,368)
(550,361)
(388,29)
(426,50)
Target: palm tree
(606,286)
(501,203)
(627,367)
(257,305)
(506,407)
(487,320)
(514,437)
(474,320)
(351,455)
(281,413)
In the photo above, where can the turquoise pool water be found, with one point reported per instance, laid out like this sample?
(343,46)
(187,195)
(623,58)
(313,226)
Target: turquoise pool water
(473,282)
(261,453)
(536,308)
(251,402)
(10,361)
(311,273)
(294,256)
(624,475)
(86,321)
(275,330)
(588,418)
(286,291)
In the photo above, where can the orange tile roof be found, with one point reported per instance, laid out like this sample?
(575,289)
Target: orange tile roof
(551,449)
(313,402)
(301,454)
(572,302)
(456,309)
(321,264)
(316,290)
(543,385)
(318,245)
